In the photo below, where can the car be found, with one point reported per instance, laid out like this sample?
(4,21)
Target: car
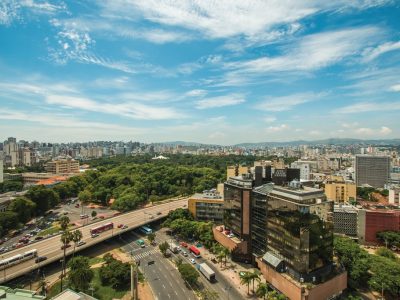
(77,205)
(159,213)
(183,244)
(84,216)
(125,227)
(94,235)
(80,243)
(65,246)
(192,261)
(184,253)
(38,238)
(101,217)
(120,225)
(40,259)
(231,235)
(65,213)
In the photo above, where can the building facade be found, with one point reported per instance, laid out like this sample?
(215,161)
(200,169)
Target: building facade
(372,170)
(208,206)
(62,166)
(339,190)
(345,220)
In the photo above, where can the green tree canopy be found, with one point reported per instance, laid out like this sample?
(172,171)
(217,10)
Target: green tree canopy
(189,274)
(23,207)
(80,274)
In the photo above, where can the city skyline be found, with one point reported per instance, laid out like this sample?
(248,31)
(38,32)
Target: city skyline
(210,72)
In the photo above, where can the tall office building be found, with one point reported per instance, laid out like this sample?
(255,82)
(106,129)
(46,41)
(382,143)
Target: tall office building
(372,170)
(300,231)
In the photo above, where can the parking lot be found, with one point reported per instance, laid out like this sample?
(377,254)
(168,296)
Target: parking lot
(47,225)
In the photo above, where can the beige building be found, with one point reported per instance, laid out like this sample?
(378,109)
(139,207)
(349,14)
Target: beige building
(232,171)
(339,190)
(208,206)
(63,165)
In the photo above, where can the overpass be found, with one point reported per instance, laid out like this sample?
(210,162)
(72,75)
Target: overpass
(51,247)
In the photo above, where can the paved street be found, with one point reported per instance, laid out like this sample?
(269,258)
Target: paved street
(164,279)
(222,286)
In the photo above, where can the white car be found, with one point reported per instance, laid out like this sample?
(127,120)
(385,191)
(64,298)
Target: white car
(80,243)
(192,261)
(184,253)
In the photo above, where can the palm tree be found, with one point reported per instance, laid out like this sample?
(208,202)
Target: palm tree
(246,279)
(43,286)
(66,237)
(64,222)
(76,238)
(226,252)
(255,276)
(262,290)
(220,256)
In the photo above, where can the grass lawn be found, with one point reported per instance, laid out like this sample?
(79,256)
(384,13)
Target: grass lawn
(95,260)
(50,230)
(100,292)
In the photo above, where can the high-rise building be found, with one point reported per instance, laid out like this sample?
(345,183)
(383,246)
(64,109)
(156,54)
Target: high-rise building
(372,170)
(300,231)
(339,190)
(208,206)
(1,167)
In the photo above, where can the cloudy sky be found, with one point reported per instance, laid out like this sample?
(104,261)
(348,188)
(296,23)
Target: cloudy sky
(219,72)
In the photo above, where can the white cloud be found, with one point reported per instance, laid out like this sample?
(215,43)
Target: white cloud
(364,131)
(361,107)
(270,119)
(385,130)
(284,103)
(279,128)
(220,101)
(312,52)
(395,88)
(372,53)
(196,93)
(128,109)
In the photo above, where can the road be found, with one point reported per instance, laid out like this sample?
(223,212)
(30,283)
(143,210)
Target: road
(165,280)
(222,286)
(51,247)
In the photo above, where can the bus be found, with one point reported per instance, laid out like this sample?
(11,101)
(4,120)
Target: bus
(195,251)
(101,228)
(146,230)
(16,259)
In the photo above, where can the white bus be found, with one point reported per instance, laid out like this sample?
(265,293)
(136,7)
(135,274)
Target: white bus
(16,259)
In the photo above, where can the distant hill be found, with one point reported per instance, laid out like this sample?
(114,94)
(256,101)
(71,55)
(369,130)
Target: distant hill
(331,141)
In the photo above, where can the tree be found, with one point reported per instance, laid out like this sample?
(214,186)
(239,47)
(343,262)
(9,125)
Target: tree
(163,248)
(64,222)
(151,237)
(24,208)
(85,196)
(94,213)
(114,272)
(8,221)
(390,238)
(76,238)
(189,274)
(220,256)
(254,276)
(262,290)
(206,294)
(246,278)
(43,197)
(80,275)
(385,276)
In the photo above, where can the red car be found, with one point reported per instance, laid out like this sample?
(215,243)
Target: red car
(66,246)
(120,225)
(183,244)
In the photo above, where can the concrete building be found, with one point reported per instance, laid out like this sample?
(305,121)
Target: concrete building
(339,190)
(394,195)
(372,170)
(372,221)
(345,220)
(306,168)
(208,206)
(62,165)
(69,294)
(237,170)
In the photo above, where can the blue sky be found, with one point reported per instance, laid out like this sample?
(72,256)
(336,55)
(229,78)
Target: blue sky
(220,72)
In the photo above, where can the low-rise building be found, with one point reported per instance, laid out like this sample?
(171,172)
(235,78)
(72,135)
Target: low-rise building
(394,195)
(372,221)
(62,165)
(208,206)
(18,294)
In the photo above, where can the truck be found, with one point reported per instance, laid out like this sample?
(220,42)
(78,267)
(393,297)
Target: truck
(174,247)
(206,271)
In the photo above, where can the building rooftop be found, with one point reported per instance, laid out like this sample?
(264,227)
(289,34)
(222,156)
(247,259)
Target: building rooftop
(18,294)
(72,295)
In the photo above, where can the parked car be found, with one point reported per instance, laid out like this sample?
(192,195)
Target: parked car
(80,243)
(38,238)
(183,244)
(125,227)
(94,235)
(84,216)
(40,259)
(184,253)
(65,246)
(120,225)
(192,261)
(77,205)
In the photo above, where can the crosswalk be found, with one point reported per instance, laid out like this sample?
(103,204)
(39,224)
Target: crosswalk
(144,254)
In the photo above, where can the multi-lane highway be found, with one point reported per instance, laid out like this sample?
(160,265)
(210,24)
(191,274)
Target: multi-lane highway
(51,247)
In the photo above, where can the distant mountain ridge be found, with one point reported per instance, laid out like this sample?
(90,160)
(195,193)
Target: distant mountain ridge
(331,141)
